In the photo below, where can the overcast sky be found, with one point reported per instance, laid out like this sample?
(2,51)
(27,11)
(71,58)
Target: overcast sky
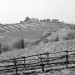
(14,11)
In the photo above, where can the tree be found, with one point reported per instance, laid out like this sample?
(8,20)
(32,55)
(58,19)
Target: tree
(5,48)
(19,44)
(56,39)
(22,43)
(69,36)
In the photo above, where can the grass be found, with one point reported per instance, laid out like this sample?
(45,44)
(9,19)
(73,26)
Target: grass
(28,34)
(38,48)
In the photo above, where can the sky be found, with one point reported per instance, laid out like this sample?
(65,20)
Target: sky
(14,11)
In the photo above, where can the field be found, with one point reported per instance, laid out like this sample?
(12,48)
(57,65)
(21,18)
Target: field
(28,34)
(49,40)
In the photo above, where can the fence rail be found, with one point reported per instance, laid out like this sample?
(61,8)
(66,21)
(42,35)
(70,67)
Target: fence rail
(34,62)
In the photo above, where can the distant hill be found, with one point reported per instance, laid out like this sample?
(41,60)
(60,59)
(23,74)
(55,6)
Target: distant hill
(61,33)
(37,31)
(29,29)
(32,24)
(42,36)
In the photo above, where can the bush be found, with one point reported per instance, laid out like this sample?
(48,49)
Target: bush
(69,36)
(55,39)
(19,44)
(5,48)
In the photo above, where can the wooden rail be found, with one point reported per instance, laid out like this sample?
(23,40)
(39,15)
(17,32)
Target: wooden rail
(39,61)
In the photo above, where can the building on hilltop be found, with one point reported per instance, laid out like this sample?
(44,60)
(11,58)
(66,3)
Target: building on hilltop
(33,19)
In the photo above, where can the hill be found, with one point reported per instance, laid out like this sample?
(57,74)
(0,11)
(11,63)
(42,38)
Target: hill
(52,47)
(30,29)
(44,31)
(43,36)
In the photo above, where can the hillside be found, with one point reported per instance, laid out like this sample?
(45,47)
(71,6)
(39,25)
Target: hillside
(35,24)
(52,47)
(30,29)
(43,31)
(47,36)
(28,25)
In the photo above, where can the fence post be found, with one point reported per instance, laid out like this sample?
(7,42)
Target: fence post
(15,63)
(47,58)
(42,64)
(24,62)
(66,59)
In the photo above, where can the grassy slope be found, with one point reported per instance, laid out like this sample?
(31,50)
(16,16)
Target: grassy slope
(28,34)
(32,35)
(50,47)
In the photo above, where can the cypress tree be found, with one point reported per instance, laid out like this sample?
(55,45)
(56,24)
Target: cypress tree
(22,43)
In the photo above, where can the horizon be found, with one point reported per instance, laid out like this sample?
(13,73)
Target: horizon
(38,20)
(14,11)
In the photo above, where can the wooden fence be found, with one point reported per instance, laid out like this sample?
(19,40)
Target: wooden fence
(39,62)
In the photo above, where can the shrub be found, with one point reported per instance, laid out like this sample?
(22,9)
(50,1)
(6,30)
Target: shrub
(5,48)
(69,36)
(55,39)
(19,44)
